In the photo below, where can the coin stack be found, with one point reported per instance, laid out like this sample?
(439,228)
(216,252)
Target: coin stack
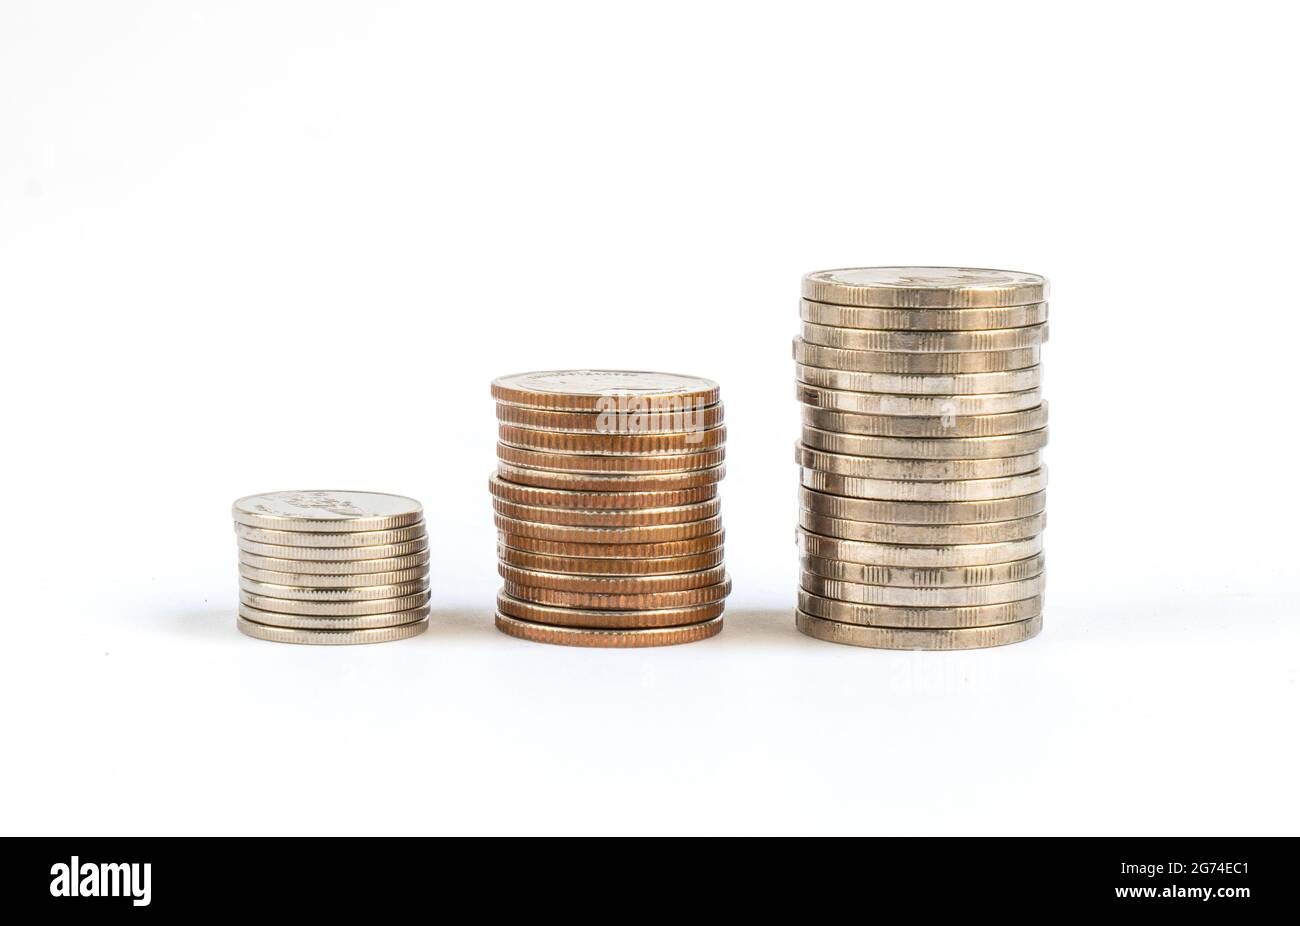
(922,496)
(605,500)
(332,567)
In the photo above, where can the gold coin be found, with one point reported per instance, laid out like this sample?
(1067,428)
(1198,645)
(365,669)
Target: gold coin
(951,490)
(844,316)
(608,620)
(923,534)
(589,463)
(926,448)
(611,585)
(1033,419)
(568,498)
(605,565)
(618,444)
(923,597)
(924,341)
(335,637)
(592,390)
(327,511)
(923,576)
(334,567)
(608,517)
(334,554)
(354,581)
(942,406)
(310,622)
(928,639)
(891,512)
(610,482)
(709,544)
(841,464)
(583,636)
(331,541)
(939,555)
(633,420)
(648,601)
(877,615)
(921,383)
(879,361)
(656,533)
(925,287)
(335,608)
(310,593)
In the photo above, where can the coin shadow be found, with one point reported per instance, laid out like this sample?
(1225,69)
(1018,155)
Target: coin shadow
(759,627)
(452,623)
(205,623)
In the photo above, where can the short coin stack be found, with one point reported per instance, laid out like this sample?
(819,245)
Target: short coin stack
(332,567)
(922,497)
(605,500)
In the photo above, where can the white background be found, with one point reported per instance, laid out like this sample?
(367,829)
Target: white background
(256,246)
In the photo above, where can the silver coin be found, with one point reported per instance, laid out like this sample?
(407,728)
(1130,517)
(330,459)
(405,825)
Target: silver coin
(918,342)
(944,556)
(926,448)
(844,316)
(888,468)
(923,576)
(334,567)
(892,512)
(878,615)
(318,540)
(923,534)
(920,383)
(327,511)
(331,637)
(923,597)
(326,622)
(910,639)
(925,287)
(942,427)
(334,554)
(963,490)
(310,593)
(938,406)
(335,608)
(350,582)
(866,361)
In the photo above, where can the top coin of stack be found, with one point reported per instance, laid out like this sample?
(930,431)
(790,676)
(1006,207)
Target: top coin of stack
(332,567)
(605,498)
(922,496)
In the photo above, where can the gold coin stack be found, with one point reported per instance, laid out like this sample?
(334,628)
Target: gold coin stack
(605,500)
(332,567)
(922,488)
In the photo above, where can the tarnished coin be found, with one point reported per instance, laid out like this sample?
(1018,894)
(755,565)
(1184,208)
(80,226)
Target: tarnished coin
(616,420)
(325,622)
(938,555)
(331,541)
(878,615)
(621,639)
(598,444)
(1033,419)
(865,361)
(608,565)
(334,554)
(568,498)
(924,341)
(922,597)
(648,601)
(843,316)
(608,517)
(922,384)
(312,593)
(335,608)
(926,448)
(592,390)
(334,567)
(354,581)
(899,638)
(923,534)
(656,533)
(892,512)
(922,576)
(610,482)
(707,545)
(946,406)
(962,490)
(611,584)
(925,287)
(841,464)
(609,620)
(332,637)
(327,511)
(685,462)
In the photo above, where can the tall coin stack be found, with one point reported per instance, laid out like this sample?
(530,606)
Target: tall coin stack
(332,567)
(922,496)
(605,500)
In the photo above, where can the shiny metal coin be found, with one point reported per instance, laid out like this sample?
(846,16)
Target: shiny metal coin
(922,597)
(620,418)
(923,577)
(568,498)
(610,482)
(939,406)
(334,554)
(612,584)
(607,620)
(892,512)
(608,566)
(841,464)
(591,390)
(318,540)
(708,544)
(843,316)
(621,639)
(309,593)
(1032,419)
(958,490)
(335,608)
(647,601)
(912,639)
(615,444)
(613,463)
(335,567)
(920,383)
(923,534)
(924,341)
(925,287)
(327,511)
(351,582)
(876,615)
(325,622)
(655,533)
(863,361)
(941,556)
(332,637)
(608,517)
(923,448)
